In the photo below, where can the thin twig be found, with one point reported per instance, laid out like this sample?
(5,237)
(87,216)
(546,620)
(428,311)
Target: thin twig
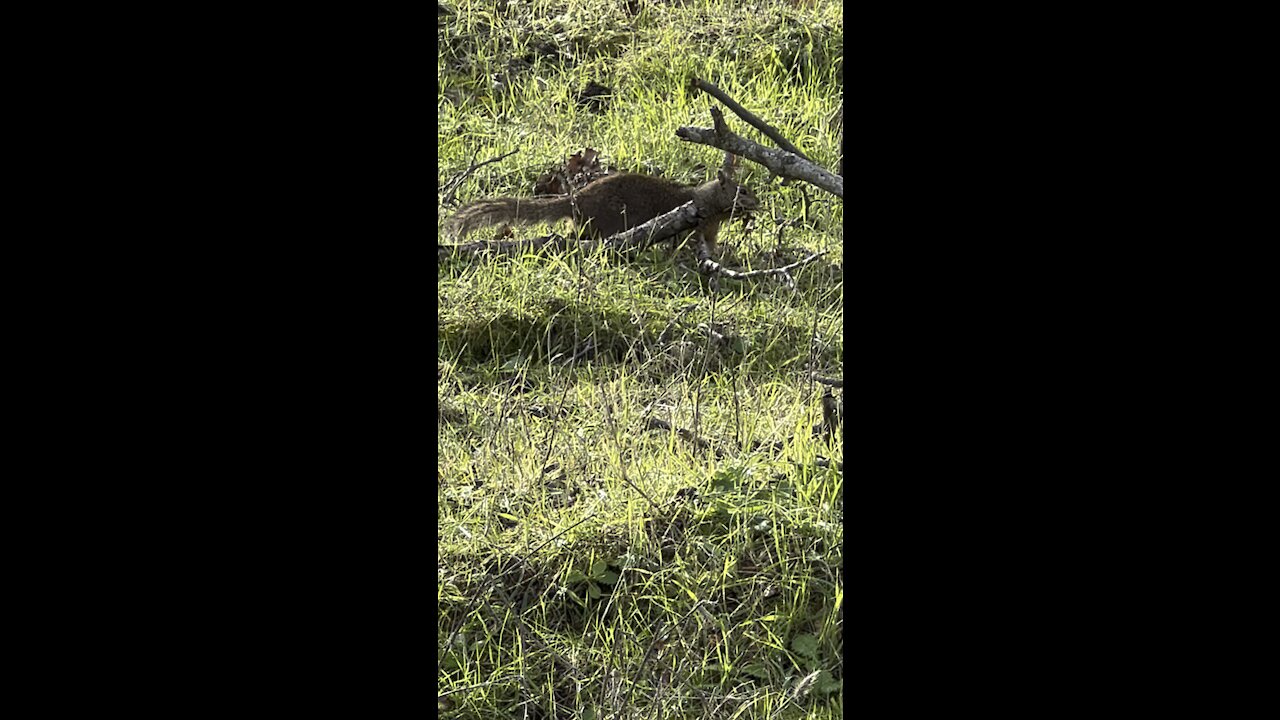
(711,267)
(780,162)
(783,224)
(450,188)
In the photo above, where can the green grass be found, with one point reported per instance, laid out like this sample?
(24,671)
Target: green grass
(589,567)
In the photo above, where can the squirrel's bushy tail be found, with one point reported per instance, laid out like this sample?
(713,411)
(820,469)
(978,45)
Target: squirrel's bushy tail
(509,210)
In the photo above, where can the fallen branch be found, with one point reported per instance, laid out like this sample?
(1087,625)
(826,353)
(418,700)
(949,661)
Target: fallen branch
(668,225)
(708,266)
(748,116)
(779,162)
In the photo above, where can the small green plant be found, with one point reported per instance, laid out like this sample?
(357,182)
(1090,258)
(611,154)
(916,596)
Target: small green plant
(819,680)
(597,574)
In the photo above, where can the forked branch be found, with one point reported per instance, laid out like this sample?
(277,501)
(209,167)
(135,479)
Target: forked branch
(779,162)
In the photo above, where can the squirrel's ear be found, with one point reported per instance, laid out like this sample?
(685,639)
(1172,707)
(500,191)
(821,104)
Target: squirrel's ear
(722,175)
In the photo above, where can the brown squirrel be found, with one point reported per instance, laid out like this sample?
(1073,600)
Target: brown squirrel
(612,204)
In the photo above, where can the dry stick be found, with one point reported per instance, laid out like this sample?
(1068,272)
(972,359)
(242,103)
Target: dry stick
(783,224)
(686,217)
(712,334)
(745,114)
(451,187)
(779,162)
(710,267)
(707,266)
(658,424)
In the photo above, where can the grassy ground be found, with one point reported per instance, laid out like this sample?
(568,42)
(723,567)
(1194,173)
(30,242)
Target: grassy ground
(590,564)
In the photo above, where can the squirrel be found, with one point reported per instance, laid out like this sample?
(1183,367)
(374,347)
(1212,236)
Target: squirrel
(612,204)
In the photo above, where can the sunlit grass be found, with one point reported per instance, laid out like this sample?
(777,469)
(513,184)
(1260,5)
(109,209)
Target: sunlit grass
(589,566)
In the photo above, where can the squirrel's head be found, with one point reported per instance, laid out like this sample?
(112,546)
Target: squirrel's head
(734,195)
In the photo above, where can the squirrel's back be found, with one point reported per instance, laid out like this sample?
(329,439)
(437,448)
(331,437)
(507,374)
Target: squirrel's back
(620,202)
(610,205)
